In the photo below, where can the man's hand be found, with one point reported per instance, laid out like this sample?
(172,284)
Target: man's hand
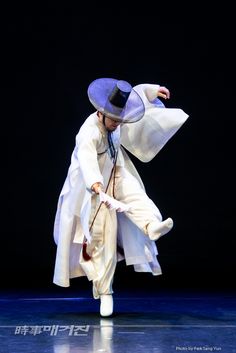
(113,204)
(97,187)
(163,92)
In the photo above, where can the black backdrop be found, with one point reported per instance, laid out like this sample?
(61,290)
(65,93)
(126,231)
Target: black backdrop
(51,54)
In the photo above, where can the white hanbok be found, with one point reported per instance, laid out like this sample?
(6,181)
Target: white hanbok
(76,220)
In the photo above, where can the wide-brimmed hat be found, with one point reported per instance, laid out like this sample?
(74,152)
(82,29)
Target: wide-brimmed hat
(116,99)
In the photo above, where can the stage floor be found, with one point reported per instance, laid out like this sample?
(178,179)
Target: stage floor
(164,322)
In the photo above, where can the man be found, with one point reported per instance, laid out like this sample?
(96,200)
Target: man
(104,214)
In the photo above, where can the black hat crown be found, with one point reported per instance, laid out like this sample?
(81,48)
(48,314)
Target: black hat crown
(120,94)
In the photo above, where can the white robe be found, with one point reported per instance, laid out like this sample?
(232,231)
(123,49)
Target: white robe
(89,164)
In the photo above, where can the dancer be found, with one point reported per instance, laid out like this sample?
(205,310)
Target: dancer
(104,214)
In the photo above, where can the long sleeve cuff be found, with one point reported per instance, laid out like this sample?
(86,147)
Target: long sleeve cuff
(151,92)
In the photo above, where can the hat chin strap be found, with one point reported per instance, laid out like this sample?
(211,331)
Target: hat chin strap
(103,120)
(109,139)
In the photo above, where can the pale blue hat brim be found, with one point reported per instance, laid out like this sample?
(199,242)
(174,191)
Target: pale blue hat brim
(99,91)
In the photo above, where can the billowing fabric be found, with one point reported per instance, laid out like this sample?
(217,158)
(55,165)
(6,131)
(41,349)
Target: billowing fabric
(90,163)
(157,126)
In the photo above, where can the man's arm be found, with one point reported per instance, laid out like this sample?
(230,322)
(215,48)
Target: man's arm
(87,155)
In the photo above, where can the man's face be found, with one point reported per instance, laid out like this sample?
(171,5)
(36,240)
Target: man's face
(110,124)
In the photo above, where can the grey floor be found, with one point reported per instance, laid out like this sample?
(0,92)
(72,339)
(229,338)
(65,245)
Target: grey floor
(158,323)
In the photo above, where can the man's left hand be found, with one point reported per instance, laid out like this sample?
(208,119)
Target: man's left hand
(163,92)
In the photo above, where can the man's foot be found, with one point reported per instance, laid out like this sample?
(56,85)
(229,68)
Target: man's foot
(106,305)
(157,229)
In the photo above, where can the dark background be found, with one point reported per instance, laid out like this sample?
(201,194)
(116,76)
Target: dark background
(50,54)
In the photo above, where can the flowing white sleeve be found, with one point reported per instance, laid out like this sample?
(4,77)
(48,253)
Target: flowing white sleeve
(145,138)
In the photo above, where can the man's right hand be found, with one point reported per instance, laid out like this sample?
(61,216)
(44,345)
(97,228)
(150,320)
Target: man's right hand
(97,187)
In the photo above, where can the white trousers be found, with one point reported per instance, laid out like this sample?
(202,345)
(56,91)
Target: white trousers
(103,247)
